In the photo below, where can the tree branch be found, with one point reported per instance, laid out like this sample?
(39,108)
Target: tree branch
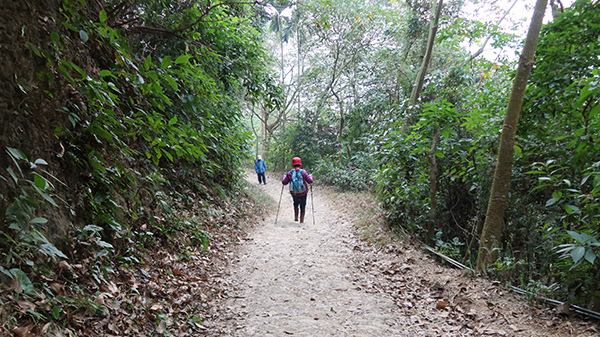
(210,8)
(477,53)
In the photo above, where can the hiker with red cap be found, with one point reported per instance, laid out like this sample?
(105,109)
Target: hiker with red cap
(298,179)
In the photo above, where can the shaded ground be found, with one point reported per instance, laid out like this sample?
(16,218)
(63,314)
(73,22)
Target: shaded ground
(324,280)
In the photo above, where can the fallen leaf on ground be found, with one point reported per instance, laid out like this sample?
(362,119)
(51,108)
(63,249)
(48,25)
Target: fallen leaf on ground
(26,305)
(27,331)
(441,305)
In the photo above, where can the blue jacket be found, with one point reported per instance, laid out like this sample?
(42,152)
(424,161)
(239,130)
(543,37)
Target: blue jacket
(260,166)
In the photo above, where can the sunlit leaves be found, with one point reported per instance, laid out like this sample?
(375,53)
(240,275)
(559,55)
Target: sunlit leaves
(183,59)
(166,62)
(562,42)
(102,16)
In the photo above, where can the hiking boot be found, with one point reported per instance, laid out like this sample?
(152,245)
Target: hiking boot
(302,218)
(296,214)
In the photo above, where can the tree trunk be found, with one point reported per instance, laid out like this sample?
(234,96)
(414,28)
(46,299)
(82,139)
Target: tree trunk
(281,51)
(557,7)
(256,135)
(342,125)
(416,91)
(433,170)
(493,226)
(300,71)
(264,131)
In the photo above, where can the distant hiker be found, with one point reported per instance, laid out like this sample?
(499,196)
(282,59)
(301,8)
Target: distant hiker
(298,179)
(260,167)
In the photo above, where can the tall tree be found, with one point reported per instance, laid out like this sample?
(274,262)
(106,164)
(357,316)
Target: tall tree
(345,34)
(493,227)
(414,96)
(416,91)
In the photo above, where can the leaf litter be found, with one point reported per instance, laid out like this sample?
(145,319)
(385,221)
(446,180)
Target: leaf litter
(350,275)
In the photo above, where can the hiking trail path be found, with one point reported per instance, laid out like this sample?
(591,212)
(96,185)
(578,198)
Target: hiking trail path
(292,279)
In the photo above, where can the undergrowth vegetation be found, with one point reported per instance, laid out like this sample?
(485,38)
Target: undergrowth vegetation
(125,144)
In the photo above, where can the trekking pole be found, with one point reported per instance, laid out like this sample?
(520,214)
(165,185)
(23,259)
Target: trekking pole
(312,202)
(279,204)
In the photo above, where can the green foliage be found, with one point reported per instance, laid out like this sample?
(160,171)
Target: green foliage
(404,180)
(572,222)
(558,128)
(584,248)
(536,289)
(300,140)
(562,103)
(151,129)
(451,248)
(22,229)
(354,173)
(571,42)
(507,268)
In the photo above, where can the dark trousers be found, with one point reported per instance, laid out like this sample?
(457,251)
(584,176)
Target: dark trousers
(300,201)
(261,176)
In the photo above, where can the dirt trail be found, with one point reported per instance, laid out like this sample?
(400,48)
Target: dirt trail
(321,280)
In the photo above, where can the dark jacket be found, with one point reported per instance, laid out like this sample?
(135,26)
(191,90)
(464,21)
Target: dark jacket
(307,178)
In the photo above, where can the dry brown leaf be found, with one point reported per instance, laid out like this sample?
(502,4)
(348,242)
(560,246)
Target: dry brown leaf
(441,305)
(564,309)
(494,332)
(57,287)
(156,307)
(45,328)
(26,305)
(112,326)
(515,328)
(110,289)
(162,327)
(26,331)
(14,286)
(150,316)
(133,282)
(591,329)
(99,299)
(64,265)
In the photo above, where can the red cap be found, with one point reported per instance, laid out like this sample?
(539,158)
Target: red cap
(296,161)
